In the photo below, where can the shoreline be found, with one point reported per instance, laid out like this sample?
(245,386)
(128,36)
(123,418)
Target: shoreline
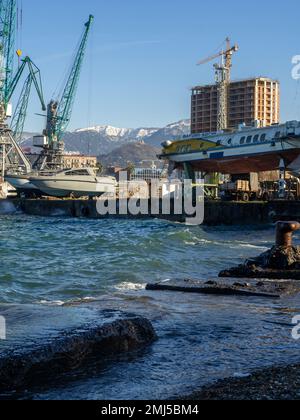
(273,384)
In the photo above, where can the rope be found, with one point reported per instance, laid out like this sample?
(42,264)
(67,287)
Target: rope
(63,81)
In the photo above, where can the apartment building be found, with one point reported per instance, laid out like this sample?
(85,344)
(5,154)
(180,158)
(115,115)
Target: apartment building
(248,101)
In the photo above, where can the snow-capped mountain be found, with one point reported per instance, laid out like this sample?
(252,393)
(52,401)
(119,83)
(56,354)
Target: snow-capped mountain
(103,139)
(117,134)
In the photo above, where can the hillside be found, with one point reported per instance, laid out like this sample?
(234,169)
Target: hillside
(103,139)
(137,153)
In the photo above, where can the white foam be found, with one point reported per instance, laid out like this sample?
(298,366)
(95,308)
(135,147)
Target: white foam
(52,303)
(130,286)
(243,245)
(241,375)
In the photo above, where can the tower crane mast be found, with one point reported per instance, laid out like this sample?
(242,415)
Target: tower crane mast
(223,78)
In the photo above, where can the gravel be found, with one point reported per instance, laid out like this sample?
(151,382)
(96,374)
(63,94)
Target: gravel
(278,383)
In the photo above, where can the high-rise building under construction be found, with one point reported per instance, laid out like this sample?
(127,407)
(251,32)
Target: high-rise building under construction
(248,101)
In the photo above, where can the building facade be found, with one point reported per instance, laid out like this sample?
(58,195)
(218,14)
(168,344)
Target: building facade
(70,161)
(248,101)
(79,161)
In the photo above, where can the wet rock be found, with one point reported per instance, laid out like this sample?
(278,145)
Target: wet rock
(276,263)
(282,262)
(260,284)
(45,342)
(279,258)
(241,285)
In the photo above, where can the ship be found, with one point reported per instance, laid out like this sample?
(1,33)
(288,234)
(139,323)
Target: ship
(245,150)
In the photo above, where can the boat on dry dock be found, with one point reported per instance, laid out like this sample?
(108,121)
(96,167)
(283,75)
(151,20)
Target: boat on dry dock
(74,182)
(22,185)
(248,149)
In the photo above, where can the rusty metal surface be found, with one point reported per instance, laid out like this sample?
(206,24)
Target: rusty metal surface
(284,233)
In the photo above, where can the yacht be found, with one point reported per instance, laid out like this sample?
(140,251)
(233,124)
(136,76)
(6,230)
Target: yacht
(22,185)
(74,183)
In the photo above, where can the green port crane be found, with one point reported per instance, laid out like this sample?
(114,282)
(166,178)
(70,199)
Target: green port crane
(60,112)
(34,77)
(8,27)
(10,152)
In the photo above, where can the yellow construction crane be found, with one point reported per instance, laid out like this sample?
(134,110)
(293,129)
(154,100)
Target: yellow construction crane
(223,77)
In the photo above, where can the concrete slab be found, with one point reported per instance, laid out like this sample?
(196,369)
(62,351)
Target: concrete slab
(227,288)
(42,342)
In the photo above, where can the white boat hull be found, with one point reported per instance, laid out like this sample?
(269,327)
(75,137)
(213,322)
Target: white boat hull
(66,188)
(21,183)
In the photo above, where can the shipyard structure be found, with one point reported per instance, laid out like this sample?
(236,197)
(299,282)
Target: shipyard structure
(237,143)
(251,100)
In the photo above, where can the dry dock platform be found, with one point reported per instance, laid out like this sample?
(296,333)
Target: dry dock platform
(216,212)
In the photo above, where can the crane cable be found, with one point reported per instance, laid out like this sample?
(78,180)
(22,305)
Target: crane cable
(19,30)
(57,94)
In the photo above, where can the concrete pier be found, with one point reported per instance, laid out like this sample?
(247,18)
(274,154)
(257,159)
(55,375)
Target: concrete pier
(216,212)
(282,261)
(226,288)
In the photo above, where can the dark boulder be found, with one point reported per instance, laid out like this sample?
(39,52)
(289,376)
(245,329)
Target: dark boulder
(46,342)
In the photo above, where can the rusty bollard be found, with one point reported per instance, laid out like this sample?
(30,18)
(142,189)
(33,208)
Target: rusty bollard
(284,233)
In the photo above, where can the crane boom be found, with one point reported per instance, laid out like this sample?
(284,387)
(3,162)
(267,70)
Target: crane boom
(34,77)
(18,120)
(227,54)
(59,113)
(8,28)
(11,155)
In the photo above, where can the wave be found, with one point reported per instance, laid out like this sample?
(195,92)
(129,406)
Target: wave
(7,207)
(245,245)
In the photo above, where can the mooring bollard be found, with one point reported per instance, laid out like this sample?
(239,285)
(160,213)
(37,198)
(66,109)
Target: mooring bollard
(284,233)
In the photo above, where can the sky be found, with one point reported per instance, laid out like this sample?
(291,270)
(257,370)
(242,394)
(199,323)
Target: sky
(141,58)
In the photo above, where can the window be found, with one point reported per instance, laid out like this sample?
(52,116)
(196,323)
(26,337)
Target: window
(249,139)
(263,137)
(242,141)
(80,172)
(256,138)
(229,141)
(277,135)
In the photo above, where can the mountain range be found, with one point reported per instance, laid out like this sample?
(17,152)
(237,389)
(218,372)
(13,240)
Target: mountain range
(117,146)
(103,139)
